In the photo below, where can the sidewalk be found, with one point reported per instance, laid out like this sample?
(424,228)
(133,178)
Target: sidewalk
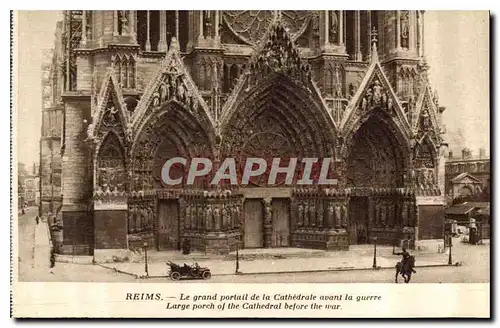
(42,246)
(359,258)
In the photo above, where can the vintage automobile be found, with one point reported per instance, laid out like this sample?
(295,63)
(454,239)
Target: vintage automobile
(188,271)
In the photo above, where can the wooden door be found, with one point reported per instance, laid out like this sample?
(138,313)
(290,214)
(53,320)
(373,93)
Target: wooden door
(168,225)
(358,220)
(280,236)
(254,223)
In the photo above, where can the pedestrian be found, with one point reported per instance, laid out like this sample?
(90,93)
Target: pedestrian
(52,258)
(37,219)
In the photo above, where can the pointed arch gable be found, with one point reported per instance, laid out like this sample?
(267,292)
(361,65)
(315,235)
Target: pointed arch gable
(110,92)
(425,103)
(358,109)
(172,82)
(277,52)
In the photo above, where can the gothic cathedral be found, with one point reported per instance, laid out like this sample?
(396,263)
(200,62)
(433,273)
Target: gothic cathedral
(136,88)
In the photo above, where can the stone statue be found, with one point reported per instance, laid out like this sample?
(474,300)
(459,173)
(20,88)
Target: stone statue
(383,213)
(225,217)
(187,220)
(156,99)
(377,93)
(330,215)
(217,218)
(334,26)
(345,216)
(404,214)
(320,216)
(338,216)
(405,29)
(267,212)
(209,218)
(124,21)
(306,213)
(312,213)
(300,210)
(131,222)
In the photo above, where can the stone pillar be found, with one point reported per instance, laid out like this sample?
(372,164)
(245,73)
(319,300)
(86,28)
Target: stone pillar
(216,26)
(398,30)
(77,177)
(412,24)
(268,222)
(341,27)
(162,45)
(132,25)
(177,24)
(369,32)
(84,29)
(115,22)
(200,34)
(357,38)
(327,26)
(148,31)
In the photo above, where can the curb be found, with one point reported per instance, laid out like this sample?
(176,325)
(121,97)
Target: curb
(340,269)
(119,271)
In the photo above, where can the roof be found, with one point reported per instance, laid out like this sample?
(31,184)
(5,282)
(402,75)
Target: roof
(477,204)
(484,211)
(467,207)
(459,209)
(464,175)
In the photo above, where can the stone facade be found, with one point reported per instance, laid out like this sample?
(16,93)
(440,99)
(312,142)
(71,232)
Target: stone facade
(145,86)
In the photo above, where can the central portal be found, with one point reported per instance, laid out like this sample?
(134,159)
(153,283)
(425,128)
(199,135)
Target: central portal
(168,225)
(358,214)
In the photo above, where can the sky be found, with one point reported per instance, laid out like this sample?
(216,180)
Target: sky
(456,48)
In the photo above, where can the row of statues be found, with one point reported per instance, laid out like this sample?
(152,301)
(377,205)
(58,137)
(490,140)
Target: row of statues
(213,217)
(141,219)
(334,216)
(388,214)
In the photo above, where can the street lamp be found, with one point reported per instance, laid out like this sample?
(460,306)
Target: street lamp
(146,258)
(374,252)
(237,271)
(450,262)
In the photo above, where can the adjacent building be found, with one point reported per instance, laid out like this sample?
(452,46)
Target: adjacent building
(135,88)
(51,130)
(468,175)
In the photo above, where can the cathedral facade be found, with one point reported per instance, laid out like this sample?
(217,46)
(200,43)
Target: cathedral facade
(141,87)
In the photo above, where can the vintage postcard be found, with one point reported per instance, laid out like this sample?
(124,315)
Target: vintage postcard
(251,163)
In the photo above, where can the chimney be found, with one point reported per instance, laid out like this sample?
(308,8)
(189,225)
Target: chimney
(465,153)
(482,153)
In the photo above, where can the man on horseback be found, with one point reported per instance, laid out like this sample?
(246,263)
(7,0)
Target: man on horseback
(406,256)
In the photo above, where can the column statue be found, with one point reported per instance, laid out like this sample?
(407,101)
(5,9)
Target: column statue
(209,218)
(330,215)
(300,210)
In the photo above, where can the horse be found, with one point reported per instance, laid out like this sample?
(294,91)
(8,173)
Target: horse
(405,270)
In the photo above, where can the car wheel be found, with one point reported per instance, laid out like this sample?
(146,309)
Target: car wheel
(206,275)
(175,275)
